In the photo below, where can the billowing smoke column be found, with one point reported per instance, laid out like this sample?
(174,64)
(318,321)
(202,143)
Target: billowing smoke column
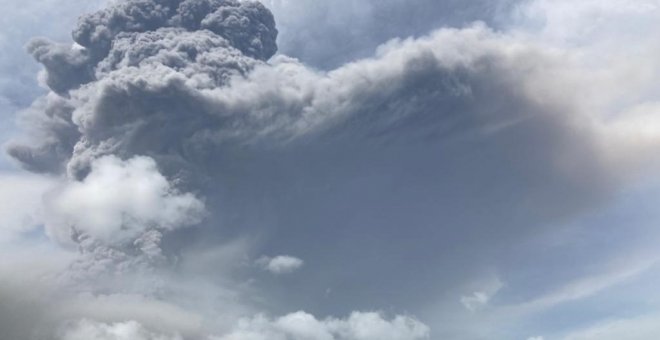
(129,87)
(170,114)
(138,108)
(134,72)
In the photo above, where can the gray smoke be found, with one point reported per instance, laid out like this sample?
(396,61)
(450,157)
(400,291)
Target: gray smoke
(205,41)
(186,83)
(163,108)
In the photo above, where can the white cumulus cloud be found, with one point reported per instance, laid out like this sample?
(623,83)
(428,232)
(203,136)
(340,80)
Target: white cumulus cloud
(120,200)
(131,330)
(304,326)
(282,264)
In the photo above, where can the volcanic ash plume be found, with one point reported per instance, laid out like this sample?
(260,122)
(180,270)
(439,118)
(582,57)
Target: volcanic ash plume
(126,93)
(172,135)
(131,83)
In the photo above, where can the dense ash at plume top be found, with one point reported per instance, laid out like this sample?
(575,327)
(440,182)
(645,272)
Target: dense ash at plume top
(246,26)
(249,26)
(134,63)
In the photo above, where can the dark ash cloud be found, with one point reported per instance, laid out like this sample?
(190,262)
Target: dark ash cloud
(248,26)
(450,148)
(207,41)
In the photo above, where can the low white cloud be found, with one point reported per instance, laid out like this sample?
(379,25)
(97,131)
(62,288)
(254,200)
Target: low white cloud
(118,201)
(294,326)
(131,330)
(304,326)
(282,264)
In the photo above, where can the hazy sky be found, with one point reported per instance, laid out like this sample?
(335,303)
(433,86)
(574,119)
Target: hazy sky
(338,170)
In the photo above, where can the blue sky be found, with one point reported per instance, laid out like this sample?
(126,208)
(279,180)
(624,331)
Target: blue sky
(396,170)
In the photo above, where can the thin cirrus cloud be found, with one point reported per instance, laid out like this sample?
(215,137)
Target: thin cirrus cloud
(175,146)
